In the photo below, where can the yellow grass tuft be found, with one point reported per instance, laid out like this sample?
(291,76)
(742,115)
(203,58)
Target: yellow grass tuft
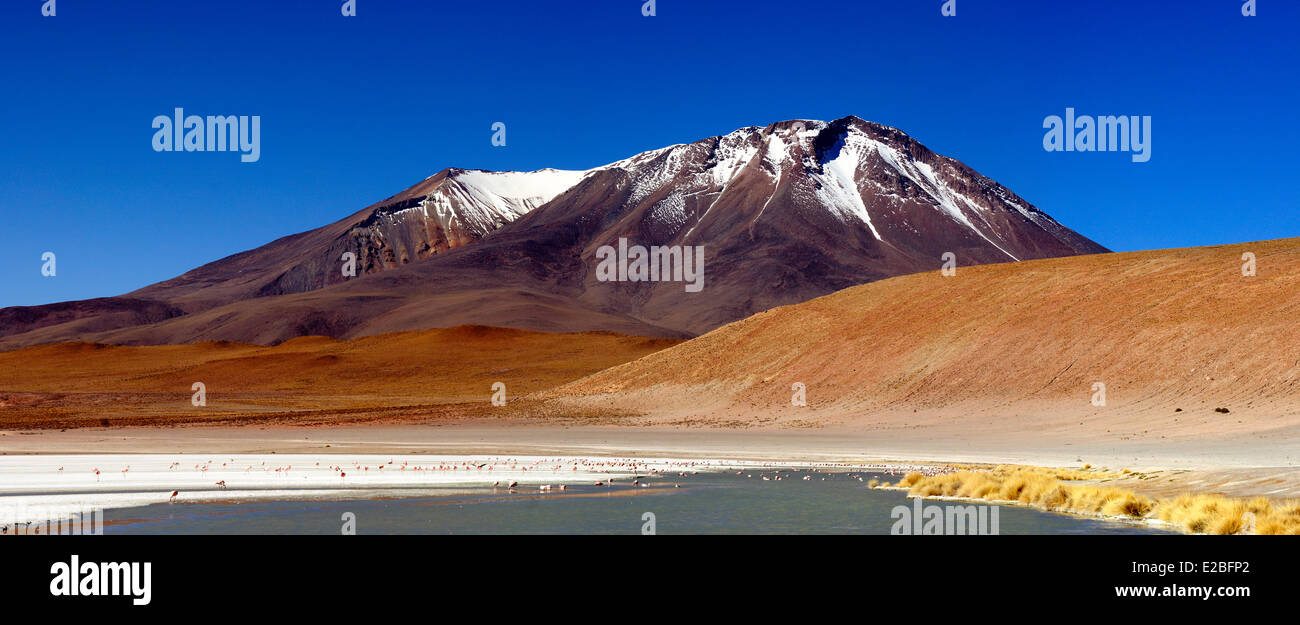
(1051,489)
(909,479)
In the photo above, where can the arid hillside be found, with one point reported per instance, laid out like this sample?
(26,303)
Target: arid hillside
(1187,347)
(311,379)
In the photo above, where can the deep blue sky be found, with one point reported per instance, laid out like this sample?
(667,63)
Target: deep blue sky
(356,109)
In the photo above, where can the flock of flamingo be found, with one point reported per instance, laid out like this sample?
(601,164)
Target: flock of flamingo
(542,472)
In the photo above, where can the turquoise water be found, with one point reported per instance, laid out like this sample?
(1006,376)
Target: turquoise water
(713,503)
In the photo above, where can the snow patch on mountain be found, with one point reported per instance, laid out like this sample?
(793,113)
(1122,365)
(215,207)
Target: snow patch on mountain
(777,154)
(948,200)
(516,193)
(648,178)
(839,188)
(669,212)
(924,176)
(735,150)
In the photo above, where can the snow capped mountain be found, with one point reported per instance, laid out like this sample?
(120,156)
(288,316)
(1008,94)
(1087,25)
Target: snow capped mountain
(843,180)
(862,175)
(786,212)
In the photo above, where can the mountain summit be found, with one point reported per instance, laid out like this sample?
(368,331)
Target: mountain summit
(785,213)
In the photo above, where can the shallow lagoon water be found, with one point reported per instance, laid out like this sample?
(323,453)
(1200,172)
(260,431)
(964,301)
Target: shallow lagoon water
(706,503)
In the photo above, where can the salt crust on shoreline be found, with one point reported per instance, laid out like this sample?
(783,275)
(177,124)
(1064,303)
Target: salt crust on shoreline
(42,487)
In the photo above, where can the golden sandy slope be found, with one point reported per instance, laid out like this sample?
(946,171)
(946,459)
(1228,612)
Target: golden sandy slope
(322,379)
(1005,351)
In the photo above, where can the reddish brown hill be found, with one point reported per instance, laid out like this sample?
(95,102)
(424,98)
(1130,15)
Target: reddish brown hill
(77,384)
(1013,348)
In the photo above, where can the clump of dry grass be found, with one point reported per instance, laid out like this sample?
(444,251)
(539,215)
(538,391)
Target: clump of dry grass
(1215,514)
(1051,489)
(909,479)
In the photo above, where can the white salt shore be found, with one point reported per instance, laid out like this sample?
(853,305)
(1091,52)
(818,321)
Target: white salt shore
(38,488)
